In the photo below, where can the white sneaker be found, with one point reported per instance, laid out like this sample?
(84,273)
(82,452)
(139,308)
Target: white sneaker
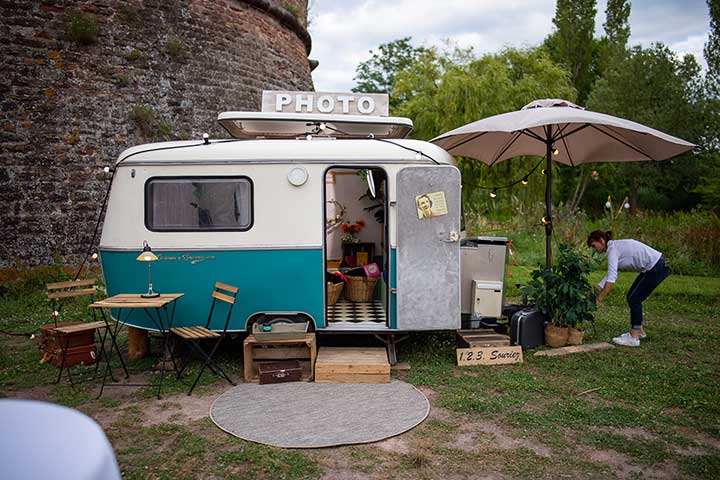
(627,340)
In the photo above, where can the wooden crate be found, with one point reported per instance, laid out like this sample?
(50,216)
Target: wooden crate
(352,365)
(481,338)
(256,351)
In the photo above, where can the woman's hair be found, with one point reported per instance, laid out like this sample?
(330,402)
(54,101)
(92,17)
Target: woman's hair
(597,235)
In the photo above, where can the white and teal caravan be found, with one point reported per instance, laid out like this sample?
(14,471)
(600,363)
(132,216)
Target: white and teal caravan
(263,211)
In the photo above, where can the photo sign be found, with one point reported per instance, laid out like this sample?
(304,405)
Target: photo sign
(489,356)
(326,102)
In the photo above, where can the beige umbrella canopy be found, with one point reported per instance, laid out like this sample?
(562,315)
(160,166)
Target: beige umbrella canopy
(562,131)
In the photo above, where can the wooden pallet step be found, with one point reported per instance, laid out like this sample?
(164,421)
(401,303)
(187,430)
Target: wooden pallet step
(352,365)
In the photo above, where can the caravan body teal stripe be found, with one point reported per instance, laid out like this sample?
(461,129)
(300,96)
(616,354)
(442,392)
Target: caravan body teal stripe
(269,281)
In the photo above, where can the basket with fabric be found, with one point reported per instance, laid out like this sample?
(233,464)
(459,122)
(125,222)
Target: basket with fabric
(360,289)
(333,292)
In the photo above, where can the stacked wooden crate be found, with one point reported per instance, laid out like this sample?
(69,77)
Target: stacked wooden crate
(352,365)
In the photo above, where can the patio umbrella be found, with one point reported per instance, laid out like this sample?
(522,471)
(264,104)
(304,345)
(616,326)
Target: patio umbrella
(562,131)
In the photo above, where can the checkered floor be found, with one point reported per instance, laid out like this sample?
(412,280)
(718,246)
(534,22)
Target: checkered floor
(345,311)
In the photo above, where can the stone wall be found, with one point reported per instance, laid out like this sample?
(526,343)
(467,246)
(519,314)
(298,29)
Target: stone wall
(81,81)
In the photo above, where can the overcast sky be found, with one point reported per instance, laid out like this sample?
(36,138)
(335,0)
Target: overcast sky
(344,31)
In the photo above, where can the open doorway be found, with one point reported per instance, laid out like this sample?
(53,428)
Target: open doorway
(356,246)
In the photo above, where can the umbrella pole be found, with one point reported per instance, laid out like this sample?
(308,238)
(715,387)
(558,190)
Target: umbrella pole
(548,200)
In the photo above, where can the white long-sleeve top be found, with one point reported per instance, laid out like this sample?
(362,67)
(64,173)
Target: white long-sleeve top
(628,255)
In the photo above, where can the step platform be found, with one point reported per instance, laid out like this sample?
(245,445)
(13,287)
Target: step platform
(352,365)
(481,338)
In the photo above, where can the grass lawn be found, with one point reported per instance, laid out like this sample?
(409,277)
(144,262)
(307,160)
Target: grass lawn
(649,412)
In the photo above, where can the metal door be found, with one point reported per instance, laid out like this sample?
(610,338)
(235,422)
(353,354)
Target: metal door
(428,248)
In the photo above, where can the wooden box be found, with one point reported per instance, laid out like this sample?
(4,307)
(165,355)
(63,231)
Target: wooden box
(82,355)
(51,339)
(279,372)
(352,365)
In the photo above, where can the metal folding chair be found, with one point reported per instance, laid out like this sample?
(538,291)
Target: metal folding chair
(63,333)
(193,336)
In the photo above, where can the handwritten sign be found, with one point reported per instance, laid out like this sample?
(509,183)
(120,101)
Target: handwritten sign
(489,356)
(326,102)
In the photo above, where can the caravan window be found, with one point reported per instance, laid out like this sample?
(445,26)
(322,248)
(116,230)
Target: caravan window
(198,203)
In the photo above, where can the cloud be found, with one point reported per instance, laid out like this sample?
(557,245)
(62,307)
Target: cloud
(345,31)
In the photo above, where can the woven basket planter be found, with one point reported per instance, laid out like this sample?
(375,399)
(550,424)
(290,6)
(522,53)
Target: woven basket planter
(333,292)
(556,336)
(360,289)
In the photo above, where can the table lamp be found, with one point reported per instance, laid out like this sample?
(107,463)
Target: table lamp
(148,256)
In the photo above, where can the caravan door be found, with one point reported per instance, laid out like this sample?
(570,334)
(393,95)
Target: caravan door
(428,248)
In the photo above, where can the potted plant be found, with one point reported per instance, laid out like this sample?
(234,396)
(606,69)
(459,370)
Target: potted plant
(565,295)
(350,230)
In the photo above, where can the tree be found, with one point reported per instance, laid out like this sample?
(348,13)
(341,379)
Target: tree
(653,87)
(377,75)
(712,50)
(444,90)
(617,26)
(572,44)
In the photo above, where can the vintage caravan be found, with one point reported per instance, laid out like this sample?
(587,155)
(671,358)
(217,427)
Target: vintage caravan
(264,211)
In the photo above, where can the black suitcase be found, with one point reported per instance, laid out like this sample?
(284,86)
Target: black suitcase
(527,328)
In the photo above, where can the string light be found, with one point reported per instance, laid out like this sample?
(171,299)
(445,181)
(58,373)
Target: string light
(546,221)
(524,181)
(542,171)
(493,194)
(322,126)
(94,256)
(418,156)
(556,152)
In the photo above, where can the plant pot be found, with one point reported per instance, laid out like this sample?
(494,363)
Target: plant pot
(575,336)
(556,336)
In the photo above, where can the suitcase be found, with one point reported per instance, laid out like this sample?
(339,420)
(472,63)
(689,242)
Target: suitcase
(527,328)
(51,339)
(82,355)
(279,372)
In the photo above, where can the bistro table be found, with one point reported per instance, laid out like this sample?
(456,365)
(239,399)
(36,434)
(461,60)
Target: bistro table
(160,310)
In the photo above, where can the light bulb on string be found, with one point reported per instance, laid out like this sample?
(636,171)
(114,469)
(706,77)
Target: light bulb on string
(493,194)
(418,156)
(542,171)
(524,181)
(555,151)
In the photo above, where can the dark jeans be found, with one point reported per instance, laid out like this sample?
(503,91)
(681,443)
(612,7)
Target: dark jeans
(641,289)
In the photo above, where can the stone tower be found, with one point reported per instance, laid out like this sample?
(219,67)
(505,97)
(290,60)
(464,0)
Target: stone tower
(83,80)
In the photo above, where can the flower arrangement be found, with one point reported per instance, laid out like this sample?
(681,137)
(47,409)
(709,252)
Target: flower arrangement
(350,230)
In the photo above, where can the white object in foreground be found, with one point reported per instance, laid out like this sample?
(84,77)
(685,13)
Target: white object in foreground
(44,440)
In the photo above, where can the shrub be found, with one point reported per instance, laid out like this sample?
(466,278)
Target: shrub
(175,50)
(563,292)
(81,27)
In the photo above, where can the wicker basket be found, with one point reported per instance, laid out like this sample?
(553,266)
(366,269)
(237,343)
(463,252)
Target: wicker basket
(333,292)
(360,289)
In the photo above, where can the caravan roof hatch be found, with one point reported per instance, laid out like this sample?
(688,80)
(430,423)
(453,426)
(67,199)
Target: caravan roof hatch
(291,125)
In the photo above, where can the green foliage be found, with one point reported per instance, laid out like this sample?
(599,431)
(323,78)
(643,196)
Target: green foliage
(145,120)
(443,90)
(133,55)
(563,292)
(292,9)
(175,49)
(651,86)
(377,75)
(617,26)
(712,50)
(81,27)
(575,24)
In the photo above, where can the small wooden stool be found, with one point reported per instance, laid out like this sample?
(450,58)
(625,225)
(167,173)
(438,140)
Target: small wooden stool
(295,348)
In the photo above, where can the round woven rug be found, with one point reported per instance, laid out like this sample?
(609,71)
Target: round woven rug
(312,415)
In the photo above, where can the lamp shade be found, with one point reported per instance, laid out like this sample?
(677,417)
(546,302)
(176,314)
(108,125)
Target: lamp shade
(147,257)
(147,254)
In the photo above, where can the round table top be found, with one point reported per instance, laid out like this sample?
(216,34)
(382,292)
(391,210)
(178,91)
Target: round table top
(44,440)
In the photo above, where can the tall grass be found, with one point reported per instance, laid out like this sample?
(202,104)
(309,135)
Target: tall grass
(690,240)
